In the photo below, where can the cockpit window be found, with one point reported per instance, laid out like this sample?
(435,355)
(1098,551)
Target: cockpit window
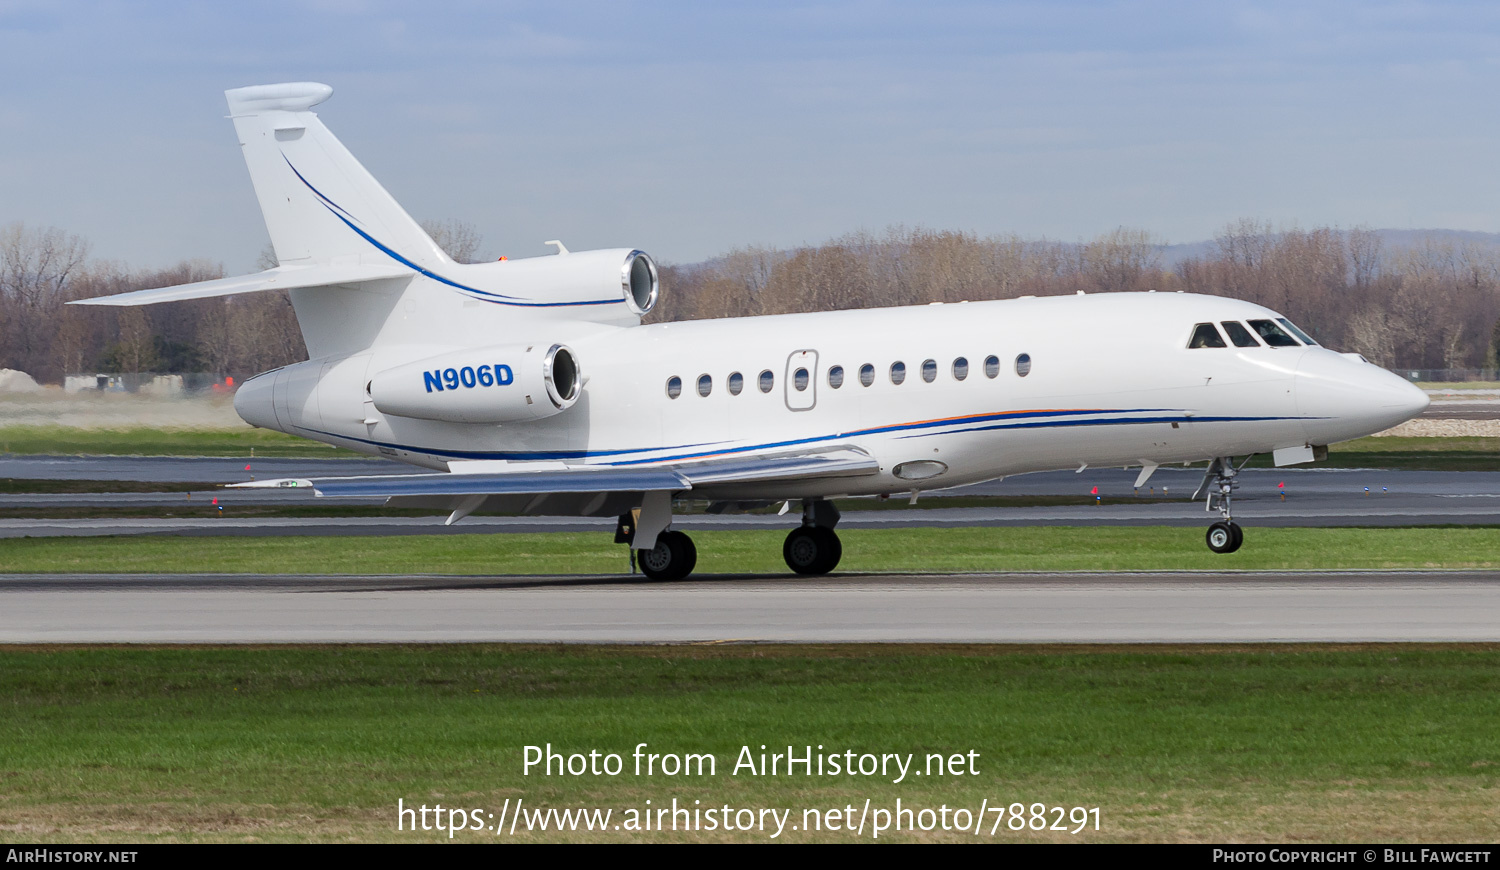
(1273,335)
(1239,334)
(1292,327)
(1204,335)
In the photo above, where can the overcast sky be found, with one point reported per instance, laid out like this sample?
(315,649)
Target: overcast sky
(687,129)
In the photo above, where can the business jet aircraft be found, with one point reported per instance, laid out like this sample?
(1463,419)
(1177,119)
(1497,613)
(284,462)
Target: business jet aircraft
(534,388)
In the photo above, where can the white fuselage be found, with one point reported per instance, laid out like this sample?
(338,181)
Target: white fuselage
(1112,381)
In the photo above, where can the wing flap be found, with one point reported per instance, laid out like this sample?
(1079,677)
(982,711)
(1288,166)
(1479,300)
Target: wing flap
(840,462)
(507,483)
(843,462)
(279,278)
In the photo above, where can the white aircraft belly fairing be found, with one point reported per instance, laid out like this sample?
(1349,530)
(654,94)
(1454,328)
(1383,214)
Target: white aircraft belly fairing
(531,386)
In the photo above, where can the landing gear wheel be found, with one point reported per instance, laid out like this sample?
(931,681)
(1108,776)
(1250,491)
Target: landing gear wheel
(1225,537)
(673,557)
(812,550)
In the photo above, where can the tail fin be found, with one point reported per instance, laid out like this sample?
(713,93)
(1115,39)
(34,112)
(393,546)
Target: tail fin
(320,205)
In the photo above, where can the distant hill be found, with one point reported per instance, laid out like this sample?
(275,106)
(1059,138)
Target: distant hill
(1171,255)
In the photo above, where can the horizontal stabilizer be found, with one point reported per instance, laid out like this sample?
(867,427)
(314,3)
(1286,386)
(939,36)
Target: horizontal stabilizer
(280,278)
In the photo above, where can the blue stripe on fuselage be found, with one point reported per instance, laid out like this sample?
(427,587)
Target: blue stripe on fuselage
(1061,419)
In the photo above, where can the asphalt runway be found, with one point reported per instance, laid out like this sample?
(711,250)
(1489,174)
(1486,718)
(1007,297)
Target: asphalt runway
(188,469)
(1267,497)
(1457,408)
(996,608)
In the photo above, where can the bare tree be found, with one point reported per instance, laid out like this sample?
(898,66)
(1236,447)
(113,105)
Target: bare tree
(459,239)
(135,352)
(1430,304)
(1120,260)
(1364,257)
(36,266)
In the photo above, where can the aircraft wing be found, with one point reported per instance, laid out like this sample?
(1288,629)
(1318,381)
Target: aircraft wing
(279,278)
(555,478)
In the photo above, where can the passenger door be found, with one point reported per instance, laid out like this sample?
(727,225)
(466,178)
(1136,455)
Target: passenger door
(802,380)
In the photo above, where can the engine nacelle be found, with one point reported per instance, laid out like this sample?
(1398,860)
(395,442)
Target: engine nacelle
(580,277)
(501,384)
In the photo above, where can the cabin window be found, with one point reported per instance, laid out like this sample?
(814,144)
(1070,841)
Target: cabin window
(836,377)
(992,366)
(1292,327)
(800,379)
(898,372)
(1239,334)
(736,383)
(674,387)
(929,370)
(767,381)
(1023,365)
(960,368)
(1273,335)
(705,385)
(1204,335)
(866,375)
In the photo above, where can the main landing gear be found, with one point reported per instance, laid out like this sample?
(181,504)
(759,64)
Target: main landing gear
(813,548)
(810,549)
(673,557)
(1220,482)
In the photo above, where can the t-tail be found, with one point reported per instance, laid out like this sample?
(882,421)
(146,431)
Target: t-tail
(320,205)
(362,274)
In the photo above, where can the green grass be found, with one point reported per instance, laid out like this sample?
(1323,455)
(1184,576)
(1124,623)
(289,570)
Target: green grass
(1209,744)
(924,550)
(65,440)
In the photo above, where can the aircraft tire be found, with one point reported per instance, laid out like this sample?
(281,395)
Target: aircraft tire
(673,557)
(1224,537)
(812,550)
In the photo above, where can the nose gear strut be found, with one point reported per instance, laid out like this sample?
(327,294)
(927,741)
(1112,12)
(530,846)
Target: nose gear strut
(1219,483)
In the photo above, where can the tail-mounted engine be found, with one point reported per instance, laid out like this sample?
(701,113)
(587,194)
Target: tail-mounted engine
(502,384)
(585,285)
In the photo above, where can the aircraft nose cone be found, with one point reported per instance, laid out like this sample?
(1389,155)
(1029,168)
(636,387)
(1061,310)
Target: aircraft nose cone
(1341,397)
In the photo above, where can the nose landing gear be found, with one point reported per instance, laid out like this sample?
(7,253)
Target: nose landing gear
(1220,482)
(1225,537)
